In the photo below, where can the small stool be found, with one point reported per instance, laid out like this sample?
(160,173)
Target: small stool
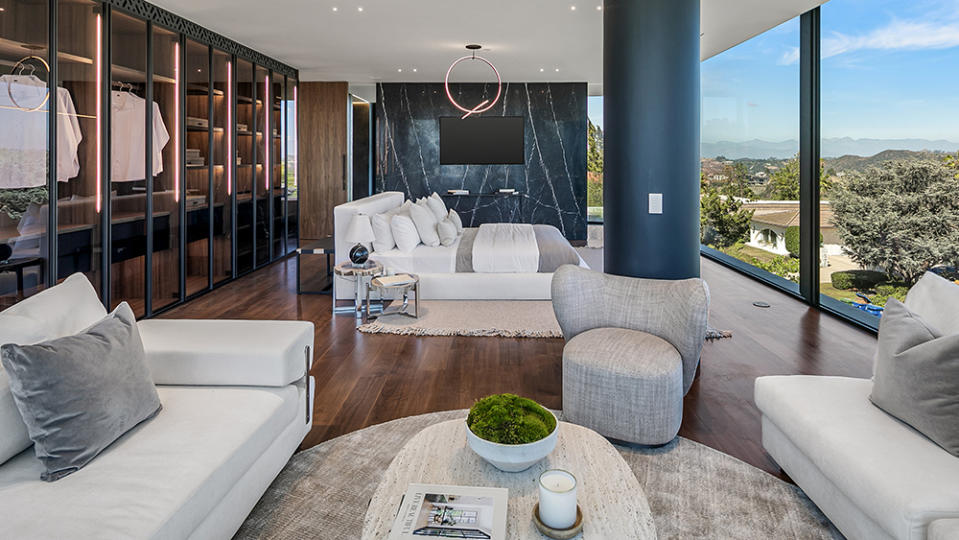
(405,288)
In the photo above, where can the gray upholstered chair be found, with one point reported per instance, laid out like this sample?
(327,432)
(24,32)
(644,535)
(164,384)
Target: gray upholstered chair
(632,349)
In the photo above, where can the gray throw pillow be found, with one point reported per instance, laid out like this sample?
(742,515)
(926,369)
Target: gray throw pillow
(916,377)
(78,394)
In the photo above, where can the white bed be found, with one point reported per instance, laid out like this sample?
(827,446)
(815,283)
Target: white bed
(434,265)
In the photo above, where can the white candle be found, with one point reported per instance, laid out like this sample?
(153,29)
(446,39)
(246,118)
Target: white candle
(557,499)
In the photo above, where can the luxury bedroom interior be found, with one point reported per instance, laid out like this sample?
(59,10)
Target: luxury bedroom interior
(622,269)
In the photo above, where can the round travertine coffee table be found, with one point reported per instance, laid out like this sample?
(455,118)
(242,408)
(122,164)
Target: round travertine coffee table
(613,503)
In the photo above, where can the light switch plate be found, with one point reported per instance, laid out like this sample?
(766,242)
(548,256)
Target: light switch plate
(655,203)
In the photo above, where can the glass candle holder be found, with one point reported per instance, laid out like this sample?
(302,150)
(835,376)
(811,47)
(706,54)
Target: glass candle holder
(557,499)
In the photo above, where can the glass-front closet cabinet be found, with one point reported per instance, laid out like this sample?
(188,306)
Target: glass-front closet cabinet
(151,161)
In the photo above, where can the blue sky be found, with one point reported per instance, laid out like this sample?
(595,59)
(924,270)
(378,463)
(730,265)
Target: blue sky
(890,69)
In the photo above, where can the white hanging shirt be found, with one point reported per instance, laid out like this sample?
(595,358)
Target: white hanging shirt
(23,134)
(128,138)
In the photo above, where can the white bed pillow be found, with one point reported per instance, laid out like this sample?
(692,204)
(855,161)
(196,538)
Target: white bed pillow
(404,233)
(455,218)
(437,205)
(446,230)
(425,223)
(382,232)
(382,227)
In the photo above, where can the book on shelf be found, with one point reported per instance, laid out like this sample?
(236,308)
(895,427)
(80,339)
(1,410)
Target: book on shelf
(457,192)
(192,121)
(242,127)
(451,512)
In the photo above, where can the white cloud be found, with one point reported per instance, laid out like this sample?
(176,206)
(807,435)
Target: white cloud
(789,57)
(897,35)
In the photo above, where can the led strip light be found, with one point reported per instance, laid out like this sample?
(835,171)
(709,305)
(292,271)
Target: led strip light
(486,104)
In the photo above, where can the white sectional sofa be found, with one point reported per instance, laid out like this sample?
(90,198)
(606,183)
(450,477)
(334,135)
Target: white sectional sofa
(875,477)
(236,404)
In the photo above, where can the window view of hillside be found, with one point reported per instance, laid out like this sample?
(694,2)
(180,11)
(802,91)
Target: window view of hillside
(750,144)
(890,137)
(889,185)
(594,159)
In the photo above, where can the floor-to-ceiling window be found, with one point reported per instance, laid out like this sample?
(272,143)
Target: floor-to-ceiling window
(749,181)
(594,159)
(889,139)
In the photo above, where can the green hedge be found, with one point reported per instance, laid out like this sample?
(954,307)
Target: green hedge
(792,240)
(857,279)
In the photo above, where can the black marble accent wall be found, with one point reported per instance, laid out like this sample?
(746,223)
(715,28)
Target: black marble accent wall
(551,184)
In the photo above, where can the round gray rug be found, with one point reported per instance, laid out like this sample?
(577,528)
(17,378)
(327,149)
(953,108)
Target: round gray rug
(693,490)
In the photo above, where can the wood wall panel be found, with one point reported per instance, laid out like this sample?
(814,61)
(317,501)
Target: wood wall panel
(321,154)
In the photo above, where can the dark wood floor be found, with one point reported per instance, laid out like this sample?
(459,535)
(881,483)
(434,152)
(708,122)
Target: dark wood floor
(367,379)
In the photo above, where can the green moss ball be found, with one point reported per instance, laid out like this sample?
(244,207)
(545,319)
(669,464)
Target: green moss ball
(510,419)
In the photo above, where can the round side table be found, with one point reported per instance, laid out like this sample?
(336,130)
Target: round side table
(360,276)
(404,288)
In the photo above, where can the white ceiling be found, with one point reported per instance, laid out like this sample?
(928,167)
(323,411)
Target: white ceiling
(520,37)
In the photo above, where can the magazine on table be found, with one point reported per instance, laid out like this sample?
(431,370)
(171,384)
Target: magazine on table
(430,510)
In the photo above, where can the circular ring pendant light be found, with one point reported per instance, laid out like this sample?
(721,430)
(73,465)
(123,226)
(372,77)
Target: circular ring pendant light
(485,105)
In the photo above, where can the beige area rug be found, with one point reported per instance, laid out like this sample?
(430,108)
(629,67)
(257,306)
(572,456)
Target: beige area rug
(503,318)
(694,492)
(482,318)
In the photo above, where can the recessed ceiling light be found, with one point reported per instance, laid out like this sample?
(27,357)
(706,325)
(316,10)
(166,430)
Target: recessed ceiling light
(414,70)
(599,8)
(335,8)
(359,8)
(557,70)
(400,70)
(572,8)
(3,9)
(541,70)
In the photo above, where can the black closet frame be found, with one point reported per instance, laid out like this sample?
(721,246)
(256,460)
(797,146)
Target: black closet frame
(154,17)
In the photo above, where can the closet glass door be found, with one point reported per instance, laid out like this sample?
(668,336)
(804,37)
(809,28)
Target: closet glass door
(276,159)
(262,183)
(244,166)
(78,204)
(197,76)
(167,181)
(292,208)
(128,161)
(222,166)
(24,195)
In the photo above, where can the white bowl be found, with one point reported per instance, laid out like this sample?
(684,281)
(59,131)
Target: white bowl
(512,457)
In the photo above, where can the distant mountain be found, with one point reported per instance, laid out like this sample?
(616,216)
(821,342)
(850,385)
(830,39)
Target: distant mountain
(755,148)
(844,146)
(860,163)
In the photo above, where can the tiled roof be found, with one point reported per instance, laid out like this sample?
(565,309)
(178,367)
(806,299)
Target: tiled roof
(787,214)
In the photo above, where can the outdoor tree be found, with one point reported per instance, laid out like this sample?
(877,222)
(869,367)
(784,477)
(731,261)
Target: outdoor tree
(594,153)
(784,183)
(737,184)
(723,221)
(902,218)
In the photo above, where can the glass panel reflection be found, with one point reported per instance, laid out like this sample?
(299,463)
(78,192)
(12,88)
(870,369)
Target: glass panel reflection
(24,100)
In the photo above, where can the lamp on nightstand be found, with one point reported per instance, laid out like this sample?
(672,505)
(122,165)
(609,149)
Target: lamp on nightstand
(360,231)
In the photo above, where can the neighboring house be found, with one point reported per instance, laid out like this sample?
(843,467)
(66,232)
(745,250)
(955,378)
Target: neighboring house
(771,219)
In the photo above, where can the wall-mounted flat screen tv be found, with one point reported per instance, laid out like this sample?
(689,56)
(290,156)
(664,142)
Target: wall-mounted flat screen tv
(482,140)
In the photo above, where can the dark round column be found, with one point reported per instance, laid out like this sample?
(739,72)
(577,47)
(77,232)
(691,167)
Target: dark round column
(651,106)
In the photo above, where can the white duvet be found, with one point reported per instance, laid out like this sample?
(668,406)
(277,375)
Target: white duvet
(505,248)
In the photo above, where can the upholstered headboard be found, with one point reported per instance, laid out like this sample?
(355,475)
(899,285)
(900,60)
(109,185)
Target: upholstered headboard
(342,214)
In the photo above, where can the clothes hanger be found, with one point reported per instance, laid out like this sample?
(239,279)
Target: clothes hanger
(19,67)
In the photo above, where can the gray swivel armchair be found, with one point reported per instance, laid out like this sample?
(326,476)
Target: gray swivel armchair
(632,349)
